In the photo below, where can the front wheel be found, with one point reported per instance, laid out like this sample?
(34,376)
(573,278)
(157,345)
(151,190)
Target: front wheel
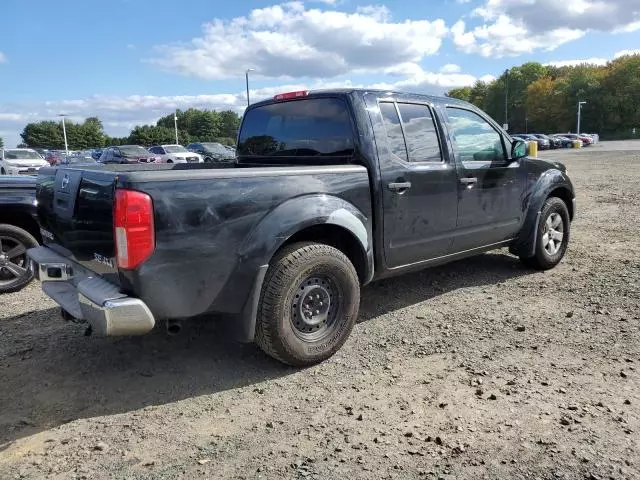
(15,270)
(552,235)
(309,304)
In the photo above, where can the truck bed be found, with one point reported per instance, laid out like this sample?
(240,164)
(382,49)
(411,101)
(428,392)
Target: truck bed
(212,224)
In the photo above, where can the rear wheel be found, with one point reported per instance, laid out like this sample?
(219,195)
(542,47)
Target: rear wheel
(15,270)
(552,235)
(309,304)
(208,159)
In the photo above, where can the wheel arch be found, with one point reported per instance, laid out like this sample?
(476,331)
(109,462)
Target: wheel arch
(551,184)
(318,218)
(22,220)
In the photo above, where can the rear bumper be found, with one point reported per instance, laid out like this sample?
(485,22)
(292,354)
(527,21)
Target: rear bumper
(88,297)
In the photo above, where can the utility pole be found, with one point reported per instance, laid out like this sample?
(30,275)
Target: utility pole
(175,123)
(246,76)
(579,113)
(506,99)
(64,133)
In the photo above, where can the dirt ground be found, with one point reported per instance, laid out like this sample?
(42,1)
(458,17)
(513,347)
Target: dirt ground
(478,369)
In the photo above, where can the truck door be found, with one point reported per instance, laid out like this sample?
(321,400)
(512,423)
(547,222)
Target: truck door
(490,184)
(418,183)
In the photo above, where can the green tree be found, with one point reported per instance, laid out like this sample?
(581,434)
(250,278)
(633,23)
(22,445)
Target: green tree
(463,93)
(230,124)
(47,134)
(1,143)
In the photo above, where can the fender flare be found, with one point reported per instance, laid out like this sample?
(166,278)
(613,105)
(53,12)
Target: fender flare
(549,181)
(282,223)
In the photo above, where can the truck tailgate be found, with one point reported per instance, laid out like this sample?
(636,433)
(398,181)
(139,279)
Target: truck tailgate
(75,211)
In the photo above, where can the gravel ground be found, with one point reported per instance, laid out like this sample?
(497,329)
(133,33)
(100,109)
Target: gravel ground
(478,369)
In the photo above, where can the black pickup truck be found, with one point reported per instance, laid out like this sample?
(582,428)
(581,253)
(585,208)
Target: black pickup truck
(330,190)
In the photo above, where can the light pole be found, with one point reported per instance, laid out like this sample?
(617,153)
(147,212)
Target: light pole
(506,99)
(64,133)
(579,112)
(175,124)
(246,76)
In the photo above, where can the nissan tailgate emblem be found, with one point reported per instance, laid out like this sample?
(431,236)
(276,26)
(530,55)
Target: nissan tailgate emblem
(65,181)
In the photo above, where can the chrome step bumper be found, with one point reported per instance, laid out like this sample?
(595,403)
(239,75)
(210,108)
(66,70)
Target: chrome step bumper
(89,297)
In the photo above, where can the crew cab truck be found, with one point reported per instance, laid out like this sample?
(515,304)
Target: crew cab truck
(330,191)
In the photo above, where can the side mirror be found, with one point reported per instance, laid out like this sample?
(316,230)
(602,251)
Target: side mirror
(518,150)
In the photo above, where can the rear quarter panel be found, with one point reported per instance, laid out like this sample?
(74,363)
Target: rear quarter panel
(213,231)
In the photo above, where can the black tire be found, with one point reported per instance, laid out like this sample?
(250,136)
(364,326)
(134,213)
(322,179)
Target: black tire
(208,160)
(543,259)
(309,272)
(12,237)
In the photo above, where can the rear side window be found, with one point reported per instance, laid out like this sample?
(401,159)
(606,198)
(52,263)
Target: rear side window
(315,127)
(393,128)
(420,133)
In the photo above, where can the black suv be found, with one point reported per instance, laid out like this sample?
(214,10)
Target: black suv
(212,152)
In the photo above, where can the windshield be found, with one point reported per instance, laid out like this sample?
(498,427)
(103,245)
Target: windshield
(175,149)
(21,155)
(133,150)
(301,128)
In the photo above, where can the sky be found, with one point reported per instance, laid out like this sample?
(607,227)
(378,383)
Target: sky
(130,62)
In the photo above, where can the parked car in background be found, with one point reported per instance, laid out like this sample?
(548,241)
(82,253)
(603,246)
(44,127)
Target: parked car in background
(96,154)
(126,154)
(212,151)
(543,144)
(585,140)
(174,154)
(19,231)
(20,161)
(78,158)
(552,142)
(330,190)
(564,141)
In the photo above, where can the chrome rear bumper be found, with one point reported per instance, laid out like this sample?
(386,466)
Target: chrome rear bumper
(88,297)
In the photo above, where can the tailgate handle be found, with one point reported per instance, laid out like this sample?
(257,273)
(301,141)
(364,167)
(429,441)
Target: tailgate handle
(89,192)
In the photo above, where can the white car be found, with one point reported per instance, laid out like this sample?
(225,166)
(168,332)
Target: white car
(175,154)
(20,161)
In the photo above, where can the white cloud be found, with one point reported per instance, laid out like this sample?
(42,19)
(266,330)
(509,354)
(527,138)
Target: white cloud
(290,40)
(573,63)
(506,37)
(3,57)
(120,114)
(622,53)
(541,16)
(451,68)
(515,27)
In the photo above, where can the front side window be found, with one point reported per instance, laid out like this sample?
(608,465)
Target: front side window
(476,140)
(314,127)
(420,133)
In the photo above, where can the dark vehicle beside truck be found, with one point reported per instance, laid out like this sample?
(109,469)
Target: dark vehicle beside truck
(126,154)
(330,190)
(19,230)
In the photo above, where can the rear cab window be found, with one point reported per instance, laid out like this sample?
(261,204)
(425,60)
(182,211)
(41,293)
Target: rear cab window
(311,130)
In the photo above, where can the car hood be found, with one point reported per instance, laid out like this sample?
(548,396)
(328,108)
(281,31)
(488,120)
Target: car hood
(27,162)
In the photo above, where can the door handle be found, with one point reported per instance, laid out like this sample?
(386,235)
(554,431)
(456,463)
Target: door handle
(469,180)
(399,186)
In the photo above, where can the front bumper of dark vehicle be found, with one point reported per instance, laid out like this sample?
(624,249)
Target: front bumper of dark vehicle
(87,296)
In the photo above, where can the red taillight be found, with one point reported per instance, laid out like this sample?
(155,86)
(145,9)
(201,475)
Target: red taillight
(133,228)
(290,95)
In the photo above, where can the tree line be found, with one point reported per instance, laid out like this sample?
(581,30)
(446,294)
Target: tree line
(194,125)
(544,99)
